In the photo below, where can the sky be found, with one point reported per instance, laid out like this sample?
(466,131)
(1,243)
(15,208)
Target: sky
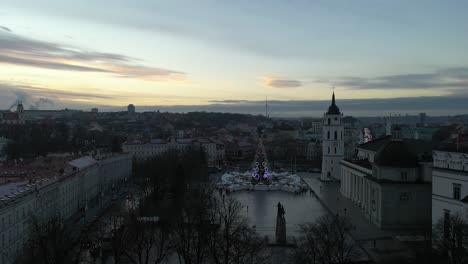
(230,55)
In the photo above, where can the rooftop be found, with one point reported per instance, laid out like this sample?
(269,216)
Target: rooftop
(375,144)
(396,154)
(453,147)
(333,109)
(362,163)
(82,162)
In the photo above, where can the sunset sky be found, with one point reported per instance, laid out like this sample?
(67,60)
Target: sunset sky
(82,54)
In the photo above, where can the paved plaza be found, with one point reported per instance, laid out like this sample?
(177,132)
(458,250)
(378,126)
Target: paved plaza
(379,244)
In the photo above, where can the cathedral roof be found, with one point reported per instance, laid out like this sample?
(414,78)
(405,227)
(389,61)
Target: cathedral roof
(396,154)
(375,144)
(333,109)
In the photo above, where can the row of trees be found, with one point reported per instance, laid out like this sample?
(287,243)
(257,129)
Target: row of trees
(450,239)
(39,139)
(208,230)
(196,226)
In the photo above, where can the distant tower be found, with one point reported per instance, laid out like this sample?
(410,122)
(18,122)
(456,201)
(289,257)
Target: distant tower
(422,119)
(388,125)
(131,109)
(332,143)
(20,112)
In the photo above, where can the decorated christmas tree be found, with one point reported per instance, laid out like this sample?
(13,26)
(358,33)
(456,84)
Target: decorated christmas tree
(260,169)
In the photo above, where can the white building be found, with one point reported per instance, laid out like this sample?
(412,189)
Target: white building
(210,148)
(450,181)
(332,143)
(390,181)
(313,150)
(3,145)
(144,150)
(85,182)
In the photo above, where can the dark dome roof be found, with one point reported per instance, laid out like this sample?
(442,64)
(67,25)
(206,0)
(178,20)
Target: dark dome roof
(333,109)
(396,154)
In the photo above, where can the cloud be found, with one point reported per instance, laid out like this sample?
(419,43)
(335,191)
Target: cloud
(5,28)
(47,64)
(229,101)
(454,77)
(23,51)
(40,97)
(28,100)
(277,82)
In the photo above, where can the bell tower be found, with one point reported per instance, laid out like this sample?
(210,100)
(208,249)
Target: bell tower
(332,143)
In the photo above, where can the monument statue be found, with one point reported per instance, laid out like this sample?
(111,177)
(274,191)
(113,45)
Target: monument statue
(280,225)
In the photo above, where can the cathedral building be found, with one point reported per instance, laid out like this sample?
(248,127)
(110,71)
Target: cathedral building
(390,180)
(332,142)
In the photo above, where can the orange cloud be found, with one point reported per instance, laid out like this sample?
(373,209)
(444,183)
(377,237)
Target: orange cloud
(279,82)
(18,50)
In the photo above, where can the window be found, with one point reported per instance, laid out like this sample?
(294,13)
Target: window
(328,134)
(328,150)
(456,191)
(329,120)
(336,118)
(404,176)
(336,134)
(335,150)
(404,197)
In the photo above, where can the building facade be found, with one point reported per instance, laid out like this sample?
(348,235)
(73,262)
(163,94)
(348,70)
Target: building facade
(450,182)
(13,118)
(142,150)
(332,143)
(390,182)
(64,196)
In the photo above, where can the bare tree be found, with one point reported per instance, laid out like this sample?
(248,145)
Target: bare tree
(232,241)
(327,241)
(147,242)
(112,233)
(450,239)
(193,228)
(48,243)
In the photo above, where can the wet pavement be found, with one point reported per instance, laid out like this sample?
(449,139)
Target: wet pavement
(260,207)
(336,203)
(378,244)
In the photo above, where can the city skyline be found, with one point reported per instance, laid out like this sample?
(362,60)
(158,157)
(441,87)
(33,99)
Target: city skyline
(227,56)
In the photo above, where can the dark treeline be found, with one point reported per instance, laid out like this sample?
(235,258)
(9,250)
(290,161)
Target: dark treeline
(168,177)
(39,139)
(206,119)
